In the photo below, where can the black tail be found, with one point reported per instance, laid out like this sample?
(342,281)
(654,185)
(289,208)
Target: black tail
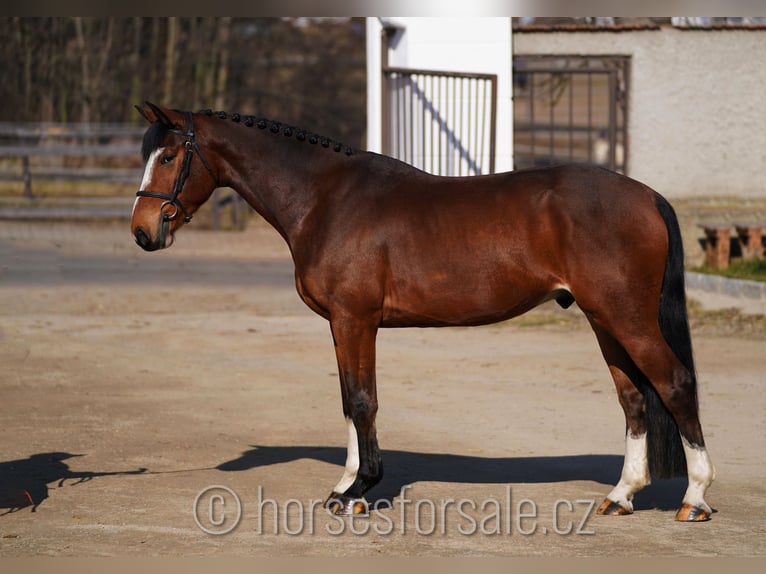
(665,451)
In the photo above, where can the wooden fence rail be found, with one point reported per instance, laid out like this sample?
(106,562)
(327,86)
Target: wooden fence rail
(72,152)
(101,152)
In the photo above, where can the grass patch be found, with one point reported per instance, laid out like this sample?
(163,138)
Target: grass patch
(751,269)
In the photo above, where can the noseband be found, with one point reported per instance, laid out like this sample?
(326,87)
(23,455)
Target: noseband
(172,199)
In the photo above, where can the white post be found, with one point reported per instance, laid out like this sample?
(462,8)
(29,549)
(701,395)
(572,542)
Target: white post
(374,86)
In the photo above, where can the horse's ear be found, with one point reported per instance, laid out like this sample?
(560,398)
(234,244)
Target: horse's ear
(154,113)
(145,113)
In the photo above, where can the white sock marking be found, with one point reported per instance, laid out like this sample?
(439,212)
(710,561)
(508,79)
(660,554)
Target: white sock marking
(352,460)
(701,474)
(635,471)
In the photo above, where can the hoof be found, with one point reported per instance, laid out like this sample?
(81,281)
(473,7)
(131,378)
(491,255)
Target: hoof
(342,505)
(689,513)
(612,508)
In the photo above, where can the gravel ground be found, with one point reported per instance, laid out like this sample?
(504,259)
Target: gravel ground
(132,382)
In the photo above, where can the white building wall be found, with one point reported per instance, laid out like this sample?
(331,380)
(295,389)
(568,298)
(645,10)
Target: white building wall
(697,118)
(476,45)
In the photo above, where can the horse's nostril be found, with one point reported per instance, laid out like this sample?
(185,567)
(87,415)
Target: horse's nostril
(142,238)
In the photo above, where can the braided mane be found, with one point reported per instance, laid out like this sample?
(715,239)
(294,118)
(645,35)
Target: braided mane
(276,127)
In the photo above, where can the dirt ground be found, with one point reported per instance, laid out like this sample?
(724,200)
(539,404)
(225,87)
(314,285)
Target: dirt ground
(131,382)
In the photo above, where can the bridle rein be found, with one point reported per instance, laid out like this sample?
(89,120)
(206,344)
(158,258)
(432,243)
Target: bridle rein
(172,199)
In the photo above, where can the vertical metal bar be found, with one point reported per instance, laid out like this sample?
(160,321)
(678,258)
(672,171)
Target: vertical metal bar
(404,118)
(439,80)
(393,83)
(532,116)
(459,126)
(612,120)
(385,114)
(571,116)
(465,125)
(415,121)
(455,148)
(385,89)
(453,124)
(413,118)
(392,114)
(405,84)
(459,148)
(624,104)
(551,149)
(431,126)
(476,119)
(395,115)
(423,108)
(483,109)
(400,123)
(468,124)
(493,125)
(590,117)
(457,134)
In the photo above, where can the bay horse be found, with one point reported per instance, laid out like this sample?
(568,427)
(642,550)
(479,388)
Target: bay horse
(377,243)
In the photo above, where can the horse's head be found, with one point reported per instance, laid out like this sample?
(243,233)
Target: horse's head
(175,183)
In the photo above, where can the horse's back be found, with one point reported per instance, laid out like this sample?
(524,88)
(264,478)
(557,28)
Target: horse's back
(454,251)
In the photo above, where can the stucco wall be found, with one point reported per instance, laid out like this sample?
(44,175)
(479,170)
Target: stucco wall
(697,104)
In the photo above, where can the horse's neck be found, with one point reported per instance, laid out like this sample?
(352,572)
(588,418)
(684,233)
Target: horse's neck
(280,179)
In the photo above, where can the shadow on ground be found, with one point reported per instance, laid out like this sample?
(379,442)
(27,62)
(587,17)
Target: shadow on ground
(25,482)
(404,467)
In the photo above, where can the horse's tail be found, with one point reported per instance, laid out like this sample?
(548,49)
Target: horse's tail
(664,448)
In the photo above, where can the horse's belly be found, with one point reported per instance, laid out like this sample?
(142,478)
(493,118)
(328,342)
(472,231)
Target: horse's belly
(446,300)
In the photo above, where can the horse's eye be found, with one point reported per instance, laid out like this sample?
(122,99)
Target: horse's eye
(166,159)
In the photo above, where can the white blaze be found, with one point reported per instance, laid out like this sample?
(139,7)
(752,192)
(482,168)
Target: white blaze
(148,172)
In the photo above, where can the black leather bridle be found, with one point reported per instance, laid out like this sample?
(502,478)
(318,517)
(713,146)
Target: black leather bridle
(172,199)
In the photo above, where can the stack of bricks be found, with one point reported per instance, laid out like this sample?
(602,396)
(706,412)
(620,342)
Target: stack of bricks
(718,242)
(751,239)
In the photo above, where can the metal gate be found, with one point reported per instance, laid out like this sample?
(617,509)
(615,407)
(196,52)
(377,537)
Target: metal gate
(571,109)
(441,122)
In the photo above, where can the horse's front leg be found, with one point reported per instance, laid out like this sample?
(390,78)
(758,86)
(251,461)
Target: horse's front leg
(354,340)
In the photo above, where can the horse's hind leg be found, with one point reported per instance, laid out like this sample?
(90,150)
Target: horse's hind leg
(635,471)
(640,337)
(676,387)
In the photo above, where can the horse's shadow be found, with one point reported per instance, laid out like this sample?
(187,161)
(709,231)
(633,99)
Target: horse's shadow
(404,467)
(24,482)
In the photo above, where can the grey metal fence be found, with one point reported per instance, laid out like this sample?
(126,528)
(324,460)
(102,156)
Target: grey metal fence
(441,122)
(571,109)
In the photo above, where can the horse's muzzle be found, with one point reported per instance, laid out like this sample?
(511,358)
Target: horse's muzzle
(144,240)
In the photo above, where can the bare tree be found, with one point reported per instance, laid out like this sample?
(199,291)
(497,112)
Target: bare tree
(170,58)
(222,69)
(88,40)
(307,72)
